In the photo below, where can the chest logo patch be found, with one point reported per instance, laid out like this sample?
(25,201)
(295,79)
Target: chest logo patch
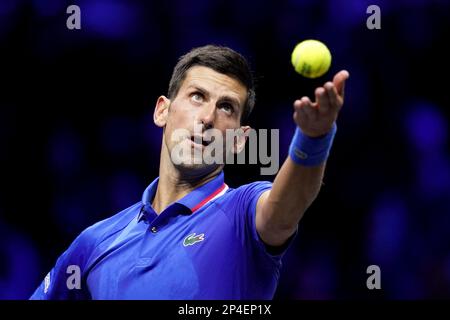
(192,239)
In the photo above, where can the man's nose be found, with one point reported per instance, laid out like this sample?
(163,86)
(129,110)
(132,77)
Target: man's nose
(207,115)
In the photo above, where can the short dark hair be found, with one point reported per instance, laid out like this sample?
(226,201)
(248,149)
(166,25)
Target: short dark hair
(221,59)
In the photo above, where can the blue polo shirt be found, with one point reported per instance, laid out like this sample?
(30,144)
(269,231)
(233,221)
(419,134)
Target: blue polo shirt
(203,246)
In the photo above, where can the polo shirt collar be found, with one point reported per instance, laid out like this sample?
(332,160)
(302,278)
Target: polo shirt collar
(196,198)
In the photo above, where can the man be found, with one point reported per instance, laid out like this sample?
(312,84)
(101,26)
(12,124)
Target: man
(192,237)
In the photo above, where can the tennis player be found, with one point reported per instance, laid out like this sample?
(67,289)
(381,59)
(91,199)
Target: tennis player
(191,236)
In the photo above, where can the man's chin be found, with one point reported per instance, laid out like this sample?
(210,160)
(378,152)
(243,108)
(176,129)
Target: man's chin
(190,167)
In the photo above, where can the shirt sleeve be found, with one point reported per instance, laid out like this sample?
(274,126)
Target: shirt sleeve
(248,196)
(65,279)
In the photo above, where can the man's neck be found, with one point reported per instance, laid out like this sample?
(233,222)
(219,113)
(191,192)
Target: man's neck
(173,185)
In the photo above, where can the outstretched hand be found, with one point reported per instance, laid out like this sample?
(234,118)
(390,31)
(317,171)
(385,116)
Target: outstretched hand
(316,118)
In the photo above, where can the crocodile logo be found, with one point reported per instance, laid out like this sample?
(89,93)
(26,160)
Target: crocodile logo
(193,239)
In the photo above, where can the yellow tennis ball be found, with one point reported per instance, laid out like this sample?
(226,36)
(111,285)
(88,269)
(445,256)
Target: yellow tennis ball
(311,58)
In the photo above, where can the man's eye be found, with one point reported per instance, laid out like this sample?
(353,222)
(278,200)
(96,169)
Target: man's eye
(227,107)
(197,97)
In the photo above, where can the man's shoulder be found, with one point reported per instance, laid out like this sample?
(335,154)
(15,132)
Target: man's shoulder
(244,193)
(101,230)
(255,185)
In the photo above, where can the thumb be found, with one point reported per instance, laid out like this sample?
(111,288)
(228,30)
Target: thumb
(339,82)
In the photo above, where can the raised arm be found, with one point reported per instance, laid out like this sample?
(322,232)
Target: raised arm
(298,182)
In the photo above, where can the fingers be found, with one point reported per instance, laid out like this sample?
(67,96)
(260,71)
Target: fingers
(309,108)
(316,117)
(331,95)
(328,97)
(335,100)
(339,81)
(305,109)
(322,100)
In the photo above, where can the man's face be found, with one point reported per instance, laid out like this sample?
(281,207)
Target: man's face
(206,100)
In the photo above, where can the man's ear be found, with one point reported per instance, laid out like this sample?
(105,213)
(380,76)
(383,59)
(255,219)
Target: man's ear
(161,111)
(239,141)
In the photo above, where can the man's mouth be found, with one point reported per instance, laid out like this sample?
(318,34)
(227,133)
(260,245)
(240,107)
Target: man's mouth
(201,141)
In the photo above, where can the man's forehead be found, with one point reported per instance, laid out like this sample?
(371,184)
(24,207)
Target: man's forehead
(207,79)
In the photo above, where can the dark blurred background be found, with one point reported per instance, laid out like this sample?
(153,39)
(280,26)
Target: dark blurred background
(78,144)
